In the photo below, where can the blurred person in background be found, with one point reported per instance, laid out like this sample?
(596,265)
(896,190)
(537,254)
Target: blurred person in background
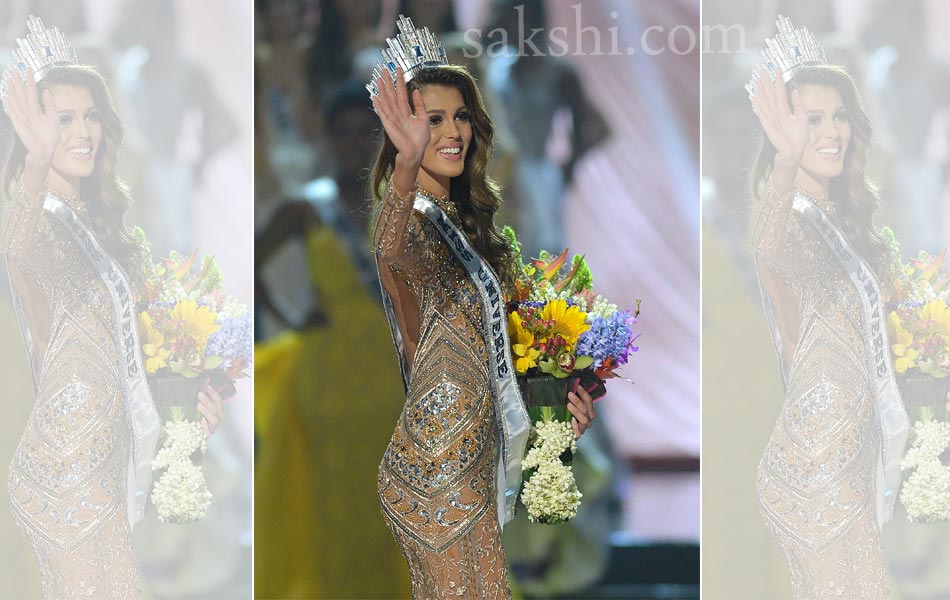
(542,97)
(906,80)
(182,132)
(321,427)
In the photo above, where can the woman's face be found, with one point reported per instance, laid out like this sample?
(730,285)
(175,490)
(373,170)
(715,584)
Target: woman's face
(830,127)
(80,132)
(451,132)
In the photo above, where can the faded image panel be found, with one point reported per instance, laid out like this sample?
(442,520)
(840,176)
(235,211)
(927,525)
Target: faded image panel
(125,320)
(826,350)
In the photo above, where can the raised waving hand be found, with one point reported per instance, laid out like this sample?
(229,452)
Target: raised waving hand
(408,129)
(786,127)
(36,125)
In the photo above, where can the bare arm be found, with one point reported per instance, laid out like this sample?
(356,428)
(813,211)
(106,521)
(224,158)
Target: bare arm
(37,127)
(787,130)
(409,132)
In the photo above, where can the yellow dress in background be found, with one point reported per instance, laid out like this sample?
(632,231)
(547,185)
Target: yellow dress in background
(326,400)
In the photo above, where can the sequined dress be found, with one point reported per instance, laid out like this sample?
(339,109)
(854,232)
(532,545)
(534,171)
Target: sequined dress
(816,480)
(437,477)
(68,477)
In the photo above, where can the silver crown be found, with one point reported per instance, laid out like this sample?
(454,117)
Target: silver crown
(791,50)
(412,49)
(42,50)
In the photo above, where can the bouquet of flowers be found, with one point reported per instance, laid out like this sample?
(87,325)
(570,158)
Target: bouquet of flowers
(918,323)
(191,332)
(919,329)
(563,336)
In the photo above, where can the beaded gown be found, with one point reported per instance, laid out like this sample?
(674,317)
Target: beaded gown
(68,477)
(816,480)
(437,477)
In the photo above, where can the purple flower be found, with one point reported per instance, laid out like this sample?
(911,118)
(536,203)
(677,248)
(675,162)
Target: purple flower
(610,337)
(233,340)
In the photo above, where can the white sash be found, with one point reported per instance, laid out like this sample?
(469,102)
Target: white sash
(512,421)
(143,420)
(888,407)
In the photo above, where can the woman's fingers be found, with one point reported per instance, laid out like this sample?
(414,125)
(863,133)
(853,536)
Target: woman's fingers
(32,102)
(402,99)
(22,96)
(210,420)
(577,408)
(388,93)
(49,107)
(770,97)
(776,95)
(760,103)
(207,409)
(797,105)
(588,402)
(419,104)
(581,407)
(211,407)
(17,118)
(382,105)
(213,401)
(12,99)
(9,107)
(781,96)
(767,91)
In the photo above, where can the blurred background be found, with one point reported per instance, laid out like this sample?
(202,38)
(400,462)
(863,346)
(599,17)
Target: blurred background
(597,150)
(181,76)
(899,55)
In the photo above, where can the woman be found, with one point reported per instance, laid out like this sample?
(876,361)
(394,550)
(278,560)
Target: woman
(442,264)
(827,480)
(72,264)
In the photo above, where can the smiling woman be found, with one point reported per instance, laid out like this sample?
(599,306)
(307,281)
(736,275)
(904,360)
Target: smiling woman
(80,475)
(827,478)
(447,482)
(452,91)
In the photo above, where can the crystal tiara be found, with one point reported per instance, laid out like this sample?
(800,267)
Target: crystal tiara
(412,49)
(41,50)
(791,50)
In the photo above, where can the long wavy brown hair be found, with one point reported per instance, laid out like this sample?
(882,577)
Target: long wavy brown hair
(104,193)
(477,197)
(855,196)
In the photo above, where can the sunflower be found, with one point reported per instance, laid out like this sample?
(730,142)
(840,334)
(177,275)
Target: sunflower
(526,357)
(198,322)
(156,355)
(937,312)
(569,321)
(905,355)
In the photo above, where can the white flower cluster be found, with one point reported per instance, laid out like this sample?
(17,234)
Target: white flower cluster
(602,308)
(550,494)
(231,309)
(926,493)
(181,493)
(172,291)
(545,292)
